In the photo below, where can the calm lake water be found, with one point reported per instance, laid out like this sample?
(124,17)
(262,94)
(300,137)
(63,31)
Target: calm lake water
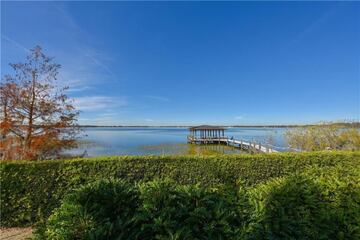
(105,141)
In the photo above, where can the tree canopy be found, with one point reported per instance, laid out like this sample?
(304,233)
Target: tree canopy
(38,119)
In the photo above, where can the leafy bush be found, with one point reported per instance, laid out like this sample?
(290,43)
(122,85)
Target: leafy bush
(316,204)
(342,190)
(289,208)
(113,210)
(184,212)
(319,204)
(31,190)
(103,210)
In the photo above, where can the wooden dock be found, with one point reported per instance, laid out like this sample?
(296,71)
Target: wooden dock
(243,145)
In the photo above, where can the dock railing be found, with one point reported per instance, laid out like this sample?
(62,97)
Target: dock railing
(250,146)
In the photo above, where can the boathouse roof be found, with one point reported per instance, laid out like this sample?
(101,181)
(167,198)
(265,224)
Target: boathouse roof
(206,127)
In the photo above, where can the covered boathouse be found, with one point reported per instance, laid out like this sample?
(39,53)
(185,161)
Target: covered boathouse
(206,134)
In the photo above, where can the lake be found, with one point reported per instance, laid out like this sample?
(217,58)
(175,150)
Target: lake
(105,141)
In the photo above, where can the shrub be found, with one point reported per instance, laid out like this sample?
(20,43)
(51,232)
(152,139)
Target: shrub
(318,204)
(342,190)
(31,190)
(289,208)
(113,210)
(185,212)
(103,210)
(324,136)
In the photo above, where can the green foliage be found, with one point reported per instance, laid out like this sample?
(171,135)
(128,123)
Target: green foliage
(169,211)
(342,190)
(164,210)
(102,210)
(291,208)
(321,203)
(31,190)
(318,204)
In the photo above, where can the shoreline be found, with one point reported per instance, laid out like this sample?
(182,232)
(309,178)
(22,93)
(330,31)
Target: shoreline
(356,125)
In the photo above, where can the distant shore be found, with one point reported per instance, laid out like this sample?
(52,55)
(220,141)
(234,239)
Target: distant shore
(355,124)
(226,126)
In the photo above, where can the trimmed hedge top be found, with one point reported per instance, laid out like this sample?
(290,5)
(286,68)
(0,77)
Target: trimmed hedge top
(31,190)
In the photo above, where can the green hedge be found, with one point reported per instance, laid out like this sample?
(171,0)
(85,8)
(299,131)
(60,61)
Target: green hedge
(101,210)
(155,210)
(31,190)
(318,204)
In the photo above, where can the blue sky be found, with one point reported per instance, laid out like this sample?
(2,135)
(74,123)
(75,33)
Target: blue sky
(166,63)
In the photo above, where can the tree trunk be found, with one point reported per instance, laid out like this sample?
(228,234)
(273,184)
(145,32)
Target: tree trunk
(4,132)
(31,113)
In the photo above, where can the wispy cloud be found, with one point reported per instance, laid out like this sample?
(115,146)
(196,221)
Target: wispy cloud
(109,114)
(110,118)
(98,63)
(83,64)
(84,67)
(159,98)
(79,89)
(98,103)
(313,26)
(66,17)
(15,43)
(240,117)
(84,119)
(149,120)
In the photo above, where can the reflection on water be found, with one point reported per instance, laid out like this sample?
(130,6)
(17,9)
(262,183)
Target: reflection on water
(189,149)
(101,141)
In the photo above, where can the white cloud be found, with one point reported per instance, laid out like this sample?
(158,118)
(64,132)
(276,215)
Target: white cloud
(240,117)
(96,103)
(82,64)
(159,98)
(78,89)
(149,120)
(99,63)
(109,114)
(313,26)
(80,70)
(15,43)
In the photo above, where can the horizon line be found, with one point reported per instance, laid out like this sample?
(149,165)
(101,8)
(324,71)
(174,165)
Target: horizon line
(233,125)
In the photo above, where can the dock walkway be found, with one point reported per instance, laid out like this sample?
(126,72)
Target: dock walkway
(249,146)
